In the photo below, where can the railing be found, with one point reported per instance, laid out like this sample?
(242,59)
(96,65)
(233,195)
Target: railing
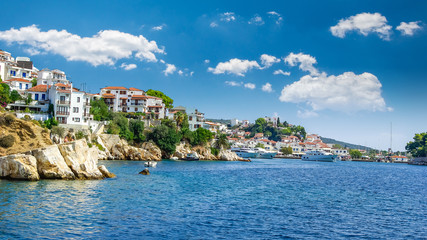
(123,105)
(63,102)
(62,113)
(109,103)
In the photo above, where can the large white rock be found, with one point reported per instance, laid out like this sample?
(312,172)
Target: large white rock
(109,140)
(19,166)
(227,155)
(82,160)
(51,164)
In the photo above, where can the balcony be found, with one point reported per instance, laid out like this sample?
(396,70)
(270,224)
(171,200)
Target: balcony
(62,113)
(109,103)
(59,102)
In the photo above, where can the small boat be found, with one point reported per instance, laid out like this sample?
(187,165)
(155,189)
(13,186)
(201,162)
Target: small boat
(320,156)
(245,152)
(262,153)
(150,164)
(192,157)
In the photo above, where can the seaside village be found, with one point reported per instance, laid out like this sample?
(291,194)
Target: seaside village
(49,91)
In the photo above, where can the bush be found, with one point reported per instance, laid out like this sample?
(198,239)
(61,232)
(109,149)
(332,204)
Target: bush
(7,141)
(80,135)
(9,118)
(214,151)
(100,147)
(89,144)
(60,131)
(26,117)
(165,138)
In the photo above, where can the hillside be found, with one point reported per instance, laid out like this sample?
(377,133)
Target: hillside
(223,121)
(345,144)
(17,136)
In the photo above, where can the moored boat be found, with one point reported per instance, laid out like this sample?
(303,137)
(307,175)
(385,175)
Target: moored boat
(245,152)
(192,157)
(319,156)
(262,153)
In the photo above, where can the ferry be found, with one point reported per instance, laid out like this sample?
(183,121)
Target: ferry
(245,152)
(320,156)
(262,153)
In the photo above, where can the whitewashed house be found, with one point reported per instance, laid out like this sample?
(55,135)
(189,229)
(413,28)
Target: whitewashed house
(196,119)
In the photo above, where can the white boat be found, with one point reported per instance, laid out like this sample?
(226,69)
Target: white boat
(262,153)
(244,152)
(150,164)
(320,156)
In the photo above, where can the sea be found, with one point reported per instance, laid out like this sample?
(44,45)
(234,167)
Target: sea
(262,199)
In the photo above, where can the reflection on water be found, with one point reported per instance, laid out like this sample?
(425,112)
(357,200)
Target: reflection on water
(271,199)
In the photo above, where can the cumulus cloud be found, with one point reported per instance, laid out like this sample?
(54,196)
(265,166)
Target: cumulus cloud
(276,16)
(268,60)
(363,23)
(267,87)
(158,28)
(281,72)
(213,24)
(306,114)
(170,69)
(256,20)
(347,92)
(228,17)
(233,83)
(408,29)
(128,67)
(104,48)
(234,66)
(305,62)
(180,72)
(207,61)
(250,86)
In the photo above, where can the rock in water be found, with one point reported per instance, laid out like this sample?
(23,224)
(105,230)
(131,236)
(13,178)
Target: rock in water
(145,172)
(105,172)
(19,166)
(51,164)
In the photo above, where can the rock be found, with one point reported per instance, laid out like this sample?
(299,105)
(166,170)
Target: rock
(109,140)
(227,155)
(81,159)
(51,164)
(105,172)
(145,172)
(153,150)
(181,151)
(204,153)
(19,166)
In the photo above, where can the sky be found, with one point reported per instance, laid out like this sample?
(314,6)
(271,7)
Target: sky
(354,71)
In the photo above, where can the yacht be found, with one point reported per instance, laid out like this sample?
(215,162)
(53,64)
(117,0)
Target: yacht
(245,152)
(320,156)
(262,153)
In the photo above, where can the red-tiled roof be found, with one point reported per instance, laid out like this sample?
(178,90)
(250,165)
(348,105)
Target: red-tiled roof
(134,89)
(139,97)
(108,95)
(38,88)
(62,85)
(18,80)
(123,98)
(115,88)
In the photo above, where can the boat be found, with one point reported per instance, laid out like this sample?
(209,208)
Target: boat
(262,153)
(320,156)
(192,157)
(150,164)
(245,152)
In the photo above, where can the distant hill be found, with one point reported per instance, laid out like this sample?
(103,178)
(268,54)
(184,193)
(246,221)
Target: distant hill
(223,121)
(344,144)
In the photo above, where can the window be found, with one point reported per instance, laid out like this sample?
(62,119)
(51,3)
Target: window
(108,91)
(76,119)
(122,92)
(12,73)
(36,97)
(43,96)
(20,85)
(78,99)
(190,118)
(136,109)
(75,109)
(24,74)
(26,86)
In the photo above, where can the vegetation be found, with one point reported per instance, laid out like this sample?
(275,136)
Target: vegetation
(166,100)
(214,151)
(80,135)
(100,111)
(201,136)
(259,145)
(286,150)
(136,127)
(51,122)
(344,144)
(15,96)
(4,94)
(60,131)
(28,100)
(274,133)
(222,142)
(34,82)
(7,141)
(120,125)
(354,153)
(418,148)
(165,137)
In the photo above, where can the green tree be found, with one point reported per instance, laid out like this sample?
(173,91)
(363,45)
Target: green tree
(179,118)
(99,110)
(15,96)
(187,135)
(34,82)
(137,129)
(166,100)
(28,99)
(222,142)
(259,145)
(354,153)
(202,136)
(286,150)
(165,138)
(337,146)
(123,124)
(4,94)
(50,123)
(418,147)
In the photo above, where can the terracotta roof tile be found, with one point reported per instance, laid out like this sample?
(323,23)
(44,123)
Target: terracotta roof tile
(115,88)
(38,88)
(18,80)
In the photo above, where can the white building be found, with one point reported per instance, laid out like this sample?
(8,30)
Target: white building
(18,84)
(21,67)
(51,77)
(234,122)
(196,119)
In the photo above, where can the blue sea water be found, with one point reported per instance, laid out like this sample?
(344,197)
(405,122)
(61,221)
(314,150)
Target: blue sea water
(263,199)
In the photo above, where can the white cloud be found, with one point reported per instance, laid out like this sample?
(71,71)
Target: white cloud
(364,23)
(276,16)
(408,29)
(213,24)
(180,72)
(228,17)
(207,61)
(170,69)
(267,87)
(191,73)
(158,28)
(250,86)
(234,66)
(104,48)
(281,72)
(256,20)
(347,92)
(306,114)
(128,67)
(305,62)
(233,83)
(268,60)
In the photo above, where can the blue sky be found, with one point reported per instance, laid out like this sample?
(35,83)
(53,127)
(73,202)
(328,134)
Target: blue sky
(349,68)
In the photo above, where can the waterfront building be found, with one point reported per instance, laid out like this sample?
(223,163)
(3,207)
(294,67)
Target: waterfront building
(21,67)
(18,84)
(196,119)
(175,110)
